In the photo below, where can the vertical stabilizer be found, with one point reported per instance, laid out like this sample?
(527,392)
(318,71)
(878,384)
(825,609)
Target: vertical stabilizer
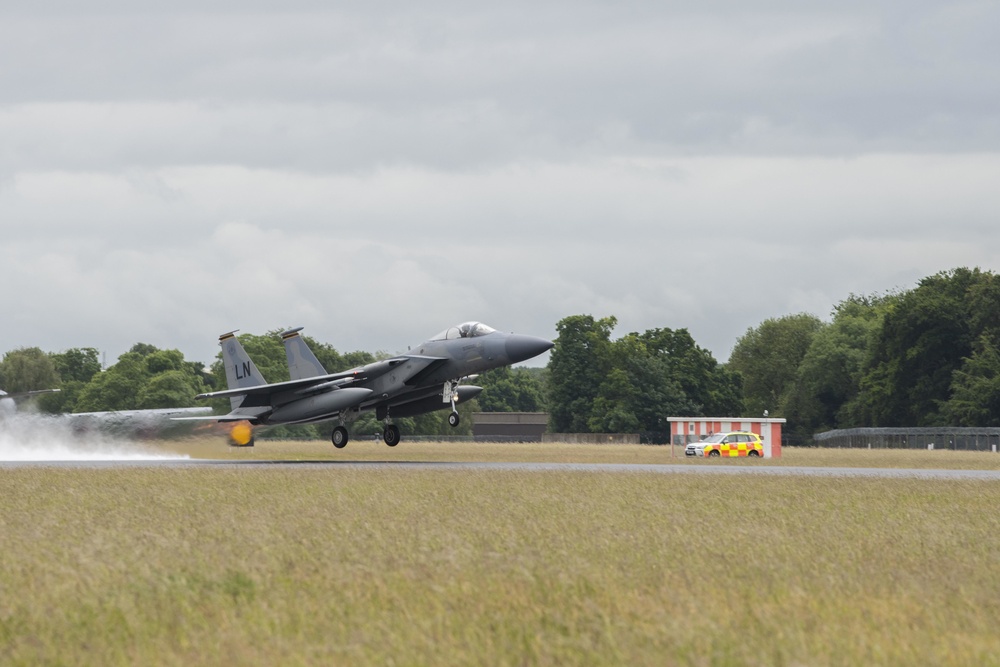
(241,371)
(302,363)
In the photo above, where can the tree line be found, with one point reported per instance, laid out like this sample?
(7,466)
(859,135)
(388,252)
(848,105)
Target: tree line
(146,377)
(632,384)
(929,356)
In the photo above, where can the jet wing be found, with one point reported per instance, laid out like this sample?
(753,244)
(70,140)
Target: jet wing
(152,413)
(238,415)
(431,364)
(26,394)
(333,380)
(305,385)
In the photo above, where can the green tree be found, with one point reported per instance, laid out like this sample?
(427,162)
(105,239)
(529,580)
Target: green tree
(168,389)
(975,388)
(923,340)
(510,390)
(768,359)
(634,383)
(334,361)
(143,349)
(76,367)
(657,374)
(162,361)
(77,364)
(706,387)
(614,408)
(27,369)
(983,300)
(117,388)
(579,364)
(143,378)
(829,376)
(638,391)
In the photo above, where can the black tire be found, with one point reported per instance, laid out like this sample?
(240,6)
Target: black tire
(754,453)
(339,437)
(714,452)
(453,419)
(391,435)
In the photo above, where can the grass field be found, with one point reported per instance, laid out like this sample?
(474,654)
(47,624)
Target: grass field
(368,450)
(250,565)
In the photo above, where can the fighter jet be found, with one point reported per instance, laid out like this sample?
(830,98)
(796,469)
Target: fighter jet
(425,379)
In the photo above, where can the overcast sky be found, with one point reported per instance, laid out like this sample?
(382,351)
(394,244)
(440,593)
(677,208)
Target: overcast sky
(376,171)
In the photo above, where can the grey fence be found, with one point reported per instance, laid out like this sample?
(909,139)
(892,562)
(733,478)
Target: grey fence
(963,438)
(593,438)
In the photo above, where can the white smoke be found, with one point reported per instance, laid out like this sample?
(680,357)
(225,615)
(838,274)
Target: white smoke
(32,437)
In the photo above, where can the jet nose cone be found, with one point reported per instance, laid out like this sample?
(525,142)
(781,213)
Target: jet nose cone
(521,347)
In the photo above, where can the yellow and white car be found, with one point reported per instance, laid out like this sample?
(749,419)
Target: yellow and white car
(735,443)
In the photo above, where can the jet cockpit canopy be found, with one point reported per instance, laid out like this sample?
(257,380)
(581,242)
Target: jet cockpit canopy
(465,330)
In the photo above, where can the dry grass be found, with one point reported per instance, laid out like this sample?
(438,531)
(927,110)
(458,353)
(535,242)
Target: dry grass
(367,450)
(255,565)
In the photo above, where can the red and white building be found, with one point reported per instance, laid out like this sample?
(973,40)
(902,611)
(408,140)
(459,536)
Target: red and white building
(691,429)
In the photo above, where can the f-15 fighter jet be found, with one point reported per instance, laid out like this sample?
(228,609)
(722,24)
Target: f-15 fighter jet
(423,380)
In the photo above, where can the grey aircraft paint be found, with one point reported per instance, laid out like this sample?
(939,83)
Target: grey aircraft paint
(423,380)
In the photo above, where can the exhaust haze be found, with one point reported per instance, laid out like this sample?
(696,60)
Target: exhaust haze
(26,437)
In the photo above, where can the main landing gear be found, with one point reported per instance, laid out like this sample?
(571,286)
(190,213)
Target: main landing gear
(391,435)
(390,432)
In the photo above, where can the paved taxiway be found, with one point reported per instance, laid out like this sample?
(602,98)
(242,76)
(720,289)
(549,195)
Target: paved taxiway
(531,467)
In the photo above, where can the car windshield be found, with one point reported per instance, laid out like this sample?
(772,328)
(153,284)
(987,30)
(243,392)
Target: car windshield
(715,438)
(466,330)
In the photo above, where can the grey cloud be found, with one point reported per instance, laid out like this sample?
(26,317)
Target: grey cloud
(376,171)
(859,78)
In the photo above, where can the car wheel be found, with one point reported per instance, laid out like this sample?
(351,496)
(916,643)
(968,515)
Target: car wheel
(714,452)
(754,453)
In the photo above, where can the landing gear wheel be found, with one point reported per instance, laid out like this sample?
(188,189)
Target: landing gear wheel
(339,437)
(391,435)
(453,419)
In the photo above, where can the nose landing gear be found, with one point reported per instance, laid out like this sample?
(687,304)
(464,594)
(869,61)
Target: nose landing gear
(450,394)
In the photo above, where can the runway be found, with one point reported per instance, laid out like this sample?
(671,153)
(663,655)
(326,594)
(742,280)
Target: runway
(635,468)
